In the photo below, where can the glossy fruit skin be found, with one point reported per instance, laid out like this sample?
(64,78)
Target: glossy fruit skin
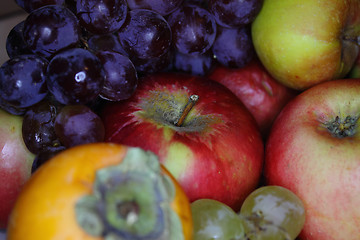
(193,29)
(215,220)
(217,153)
(50,29)
(274,207)
(164,7)
(257,89)
(101,17)
(23,80)
(301,42)
(149,30)
(322,170)
(64,179)
(233,47)
(15,163)
(75,76)
(234,13)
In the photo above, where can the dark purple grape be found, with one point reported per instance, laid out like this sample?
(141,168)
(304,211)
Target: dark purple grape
(15,44)
(121,76)
(71,5)
(199,64)
(233,47)
(101,17)
(38,126)
(193,29)
(105,42)
(75,76)
(78,124)
(145,34)
(234,13)
(31,5)
(153,65)
(50,29)
(163,7)
(201,3)
(23,80)
(45,155)
(11,108)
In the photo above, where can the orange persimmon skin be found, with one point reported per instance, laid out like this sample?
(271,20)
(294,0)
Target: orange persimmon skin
(48,199)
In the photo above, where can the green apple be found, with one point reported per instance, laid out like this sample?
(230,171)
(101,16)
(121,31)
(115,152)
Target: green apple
(305,42)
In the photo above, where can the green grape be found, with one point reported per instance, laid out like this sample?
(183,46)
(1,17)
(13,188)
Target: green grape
(256,228)
(273,212)
(215,220)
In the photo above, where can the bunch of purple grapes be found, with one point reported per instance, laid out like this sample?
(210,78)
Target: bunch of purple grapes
(68,57)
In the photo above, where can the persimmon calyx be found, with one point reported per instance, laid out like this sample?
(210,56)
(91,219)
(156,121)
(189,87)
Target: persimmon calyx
(131,200)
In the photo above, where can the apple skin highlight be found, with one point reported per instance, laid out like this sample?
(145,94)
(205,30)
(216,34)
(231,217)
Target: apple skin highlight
(321,169)
(303,42)
(218,151)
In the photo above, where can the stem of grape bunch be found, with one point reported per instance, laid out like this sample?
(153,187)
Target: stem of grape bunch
(189,105)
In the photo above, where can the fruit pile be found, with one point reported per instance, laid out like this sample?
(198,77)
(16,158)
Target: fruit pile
(181,119)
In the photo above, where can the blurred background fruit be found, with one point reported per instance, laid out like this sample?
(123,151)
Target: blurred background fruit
(98,190)
(15,163)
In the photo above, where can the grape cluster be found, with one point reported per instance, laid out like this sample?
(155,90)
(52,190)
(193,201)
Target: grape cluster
(268,213)
(68,57)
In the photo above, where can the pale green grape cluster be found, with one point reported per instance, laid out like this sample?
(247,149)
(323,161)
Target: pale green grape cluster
(268,213)
(215,220)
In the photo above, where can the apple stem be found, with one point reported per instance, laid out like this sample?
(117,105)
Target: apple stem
(189,105)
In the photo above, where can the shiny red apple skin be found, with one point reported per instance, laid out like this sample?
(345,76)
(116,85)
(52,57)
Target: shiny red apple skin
(263,96)
(15,163)
(217,153)
(323,170)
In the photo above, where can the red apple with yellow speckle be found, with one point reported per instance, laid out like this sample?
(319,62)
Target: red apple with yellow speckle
(200,130)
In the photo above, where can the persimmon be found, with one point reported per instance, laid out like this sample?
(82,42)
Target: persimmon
(101,191)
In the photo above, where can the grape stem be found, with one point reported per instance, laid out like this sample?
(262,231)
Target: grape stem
(189,105)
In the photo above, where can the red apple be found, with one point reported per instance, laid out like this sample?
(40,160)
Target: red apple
(263,96)
(15,163)
(313,150)
(217,152)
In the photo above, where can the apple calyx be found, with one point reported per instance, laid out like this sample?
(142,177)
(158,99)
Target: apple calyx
(192,101)
(342,128)
(131,200)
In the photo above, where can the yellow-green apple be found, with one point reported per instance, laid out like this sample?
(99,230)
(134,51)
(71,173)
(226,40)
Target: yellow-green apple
(305,42)
(216,152)
(15,163)
(263,96)
(313,150)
